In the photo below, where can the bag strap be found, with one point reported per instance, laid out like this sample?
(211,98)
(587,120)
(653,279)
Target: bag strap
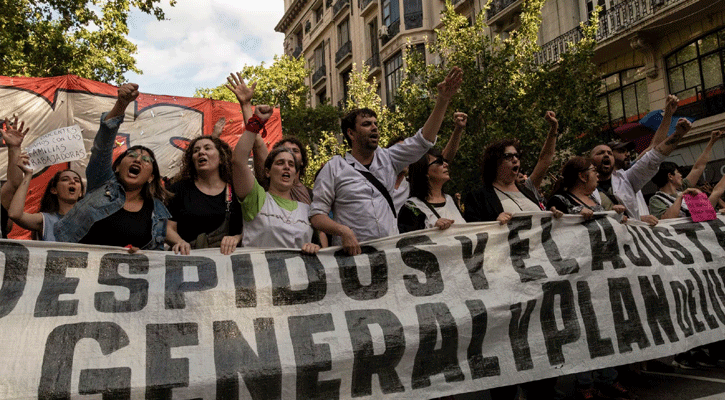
(370,177)
(432,209)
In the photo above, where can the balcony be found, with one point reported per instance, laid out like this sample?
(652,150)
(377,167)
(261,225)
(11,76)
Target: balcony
(343,52)
(364,5)
(617,19)
(497,6)
(393,29)
(373,62)
(414,20)
(339,6)
(297,51)
(319,74)
(551,52)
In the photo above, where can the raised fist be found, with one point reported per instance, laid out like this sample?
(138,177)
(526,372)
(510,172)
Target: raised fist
(128,92)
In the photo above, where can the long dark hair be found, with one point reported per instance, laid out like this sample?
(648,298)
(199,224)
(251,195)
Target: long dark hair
(418,175)
(492,157)
(270,160)
(150,190)
(188,171)
(49,202)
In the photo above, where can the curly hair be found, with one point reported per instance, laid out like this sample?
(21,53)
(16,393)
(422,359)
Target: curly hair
(188,171)
(49,202)
(492,157)
(150,190)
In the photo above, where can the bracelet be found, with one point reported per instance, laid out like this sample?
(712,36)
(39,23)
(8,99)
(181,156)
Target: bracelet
(256,125)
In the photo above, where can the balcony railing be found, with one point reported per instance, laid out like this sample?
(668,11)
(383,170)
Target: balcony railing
(617,19)
(552,51)
(393,29)
(497,6)
(297,51)
(319,74)
(364,3)
(373,62)
(339,6)
(343,52)
(414,20)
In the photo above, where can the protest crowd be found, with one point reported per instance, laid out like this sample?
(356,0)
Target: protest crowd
(218,201)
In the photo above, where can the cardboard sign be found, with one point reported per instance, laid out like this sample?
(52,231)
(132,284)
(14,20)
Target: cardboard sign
(58,146)
(700,207)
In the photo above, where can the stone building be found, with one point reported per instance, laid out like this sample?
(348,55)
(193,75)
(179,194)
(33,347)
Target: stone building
(646,49)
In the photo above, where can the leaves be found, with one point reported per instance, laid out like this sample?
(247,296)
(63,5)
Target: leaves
(88,39)
(505,93)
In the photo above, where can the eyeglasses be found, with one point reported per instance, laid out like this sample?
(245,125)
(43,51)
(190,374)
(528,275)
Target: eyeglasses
(144,158)
(510,156)
(439,160)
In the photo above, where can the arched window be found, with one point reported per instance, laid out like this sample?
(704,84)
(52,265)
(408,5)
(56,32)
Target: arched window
(695,75)
(624,96)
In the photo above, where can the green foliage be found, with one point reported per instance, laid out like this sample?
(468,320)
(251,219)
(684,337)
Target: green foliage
(49,38)
(505,93)
(283,84)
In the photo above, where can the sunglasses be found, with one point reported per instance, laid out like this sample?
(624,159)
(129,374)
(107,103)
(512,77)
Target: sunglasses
(439,160)
(510,156)
(144,158)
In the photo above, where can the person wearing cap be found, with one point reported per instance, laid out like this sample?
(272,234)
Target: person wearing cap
(621,152)
(667,202)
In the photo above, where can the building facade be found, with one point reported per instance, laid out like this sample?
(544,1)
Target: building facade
(646,49)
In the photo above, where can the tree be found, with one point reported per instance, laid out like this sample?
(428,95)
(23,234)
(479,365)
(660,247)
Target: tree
(506,93)
(282,84)
(49,38)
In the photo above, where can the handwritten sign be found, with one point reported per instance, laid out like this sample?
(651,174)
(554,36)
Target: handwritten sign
(700,207)
(58,146)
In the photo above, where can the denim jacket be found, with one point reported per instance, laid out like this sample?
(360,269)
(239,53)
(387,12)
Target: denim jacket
(105,194)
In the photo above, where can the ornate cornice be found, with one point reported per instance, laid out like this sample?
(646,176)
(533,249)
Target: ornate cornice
(289,16)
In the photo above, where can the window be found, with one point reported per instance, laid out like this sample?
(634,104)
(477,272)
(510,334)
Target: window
(624,96)
(318,14)
(393,77)
(322,96)
(343,33)
(413,14)
(320,56)
(391,13)
(345,78)
(374,60)
(695,74)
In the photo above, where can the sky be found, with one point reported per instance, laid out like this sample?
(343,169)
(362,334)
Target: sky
(201,42)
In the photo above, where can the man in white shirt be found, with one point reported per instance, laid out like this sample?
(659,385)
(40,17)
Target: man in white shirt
(625,185)
(360,209)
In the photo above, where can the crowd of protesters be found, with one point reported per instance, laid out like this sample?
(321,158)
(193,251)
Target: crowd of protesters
(217,200)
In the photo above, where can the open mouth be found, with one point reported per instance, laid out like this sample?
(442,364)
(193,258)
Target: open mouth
(515,169)
(134,169)
(286,175)
(72,189)
(202,161)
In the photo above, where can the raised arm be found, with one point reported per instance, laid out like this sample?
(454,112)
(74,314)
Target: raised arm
(670,107)
(699,167)
(13,136)
(666,147)
(717,192)
(243,93)
(460,119)
(242,176)
(259,155)
(547,152)
(446,90)
(33,222)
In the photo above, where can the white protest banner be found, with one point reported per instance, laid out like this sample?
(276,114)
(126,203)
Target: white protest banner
(58,146)
(415,316)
